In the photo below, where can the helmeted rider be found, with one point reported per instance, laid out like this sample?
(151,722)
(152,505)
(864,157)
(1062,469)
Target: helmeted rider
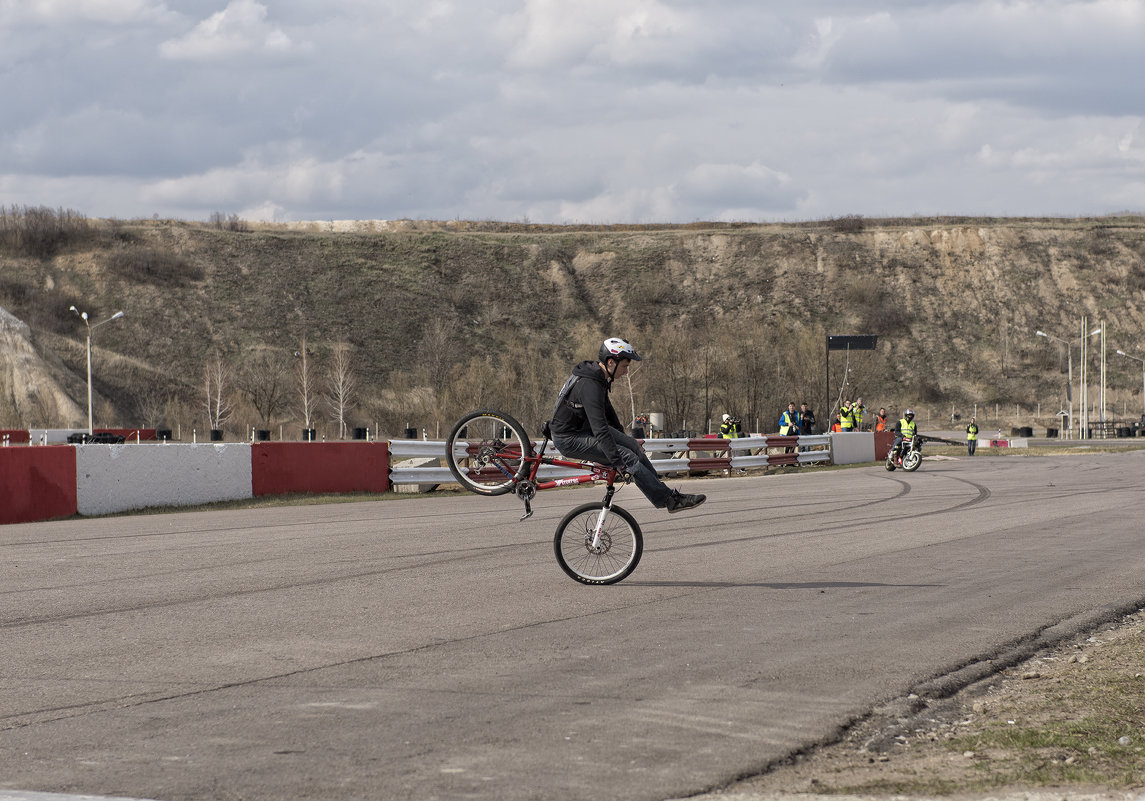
(585,426)
(905,426)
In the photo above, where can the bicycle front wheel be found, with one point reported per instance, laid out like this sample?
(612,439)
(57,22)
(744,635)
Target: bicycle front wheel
(591,560)
(486,452)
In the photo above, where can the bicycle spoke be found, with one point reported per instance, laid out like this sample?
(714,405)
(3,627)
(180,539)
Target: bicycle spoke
(486,452)
(603,560)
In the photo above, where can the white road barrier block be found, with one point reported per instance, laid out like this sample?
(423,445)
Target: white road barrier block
(114,478)
(853,447)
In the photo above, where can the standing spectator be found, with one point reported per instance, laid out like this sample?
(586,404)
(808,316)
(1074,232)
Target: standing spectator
(730,427)
(789,421)
(789,424)
(857,412)
(846,420)
(806,424)
(806,420)
(881,420)
(972,436)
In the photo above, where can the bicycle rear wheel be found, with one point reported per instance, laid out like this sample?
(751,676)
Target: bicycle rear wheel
(486,452)
(616,554)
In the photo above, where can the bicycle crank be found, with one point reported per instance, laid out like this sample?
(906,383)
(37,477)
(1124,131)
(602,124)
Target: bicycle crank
(526,490)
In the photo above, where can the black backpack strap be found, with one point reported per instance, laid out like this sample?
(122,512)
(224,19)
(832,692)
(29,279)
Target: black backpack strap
(564,393)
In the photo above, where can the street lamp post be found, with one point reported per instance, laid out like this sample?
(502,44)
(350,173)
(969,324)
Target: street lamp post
(1139,359)
(1069,356)
(90,328)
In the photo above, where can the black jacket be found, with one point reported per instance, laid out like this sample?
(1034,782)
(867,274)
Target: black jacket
(588,411)
(807,422)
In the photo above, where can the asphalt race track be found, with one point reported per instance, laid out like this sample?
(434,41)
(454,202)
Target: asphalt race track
(432,648)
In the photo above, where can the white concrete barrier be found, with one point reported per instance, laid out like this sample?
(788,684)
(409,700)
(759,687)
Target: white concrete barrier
(115,478)
(52,436)
(854,447)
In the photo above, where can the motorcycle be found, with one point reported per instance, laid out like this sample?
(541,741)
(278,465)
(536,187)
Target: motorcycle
(908,455)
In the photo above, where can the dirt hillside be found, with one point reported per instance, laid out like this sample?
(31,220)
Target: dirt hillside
(443,316)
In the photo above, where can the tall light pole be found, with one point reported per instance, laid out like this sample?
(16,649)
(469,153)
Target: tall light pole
(1139,359)
(1083,423)
(90,328)
(1069,355)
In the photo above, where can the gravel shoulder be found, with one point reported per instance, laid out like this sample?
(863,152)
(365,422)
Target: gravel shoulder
(1066,723)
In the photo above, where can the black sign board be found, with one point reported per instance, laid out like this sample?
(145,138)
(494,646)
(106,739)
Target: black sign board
(852,343)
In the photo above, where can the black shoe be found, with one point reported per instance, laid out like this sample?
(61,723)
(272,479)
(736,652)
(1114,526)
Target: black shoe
(678,502)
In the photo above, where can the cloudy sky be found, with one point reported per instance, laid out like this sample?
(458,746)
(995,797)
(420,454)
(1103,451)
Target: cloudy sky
(591,111)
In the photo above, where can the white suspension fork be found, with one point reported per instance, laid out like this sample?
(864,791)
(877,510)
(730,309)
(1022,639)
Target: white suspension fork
(599,529)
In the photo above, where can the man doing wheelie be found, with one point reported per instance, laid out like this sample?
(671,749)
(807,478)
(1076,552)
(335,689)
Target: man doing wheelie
(585,426)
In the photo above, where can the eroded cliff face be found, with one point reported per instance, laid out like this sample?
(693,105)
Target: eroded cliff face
(955,303)
(36,389)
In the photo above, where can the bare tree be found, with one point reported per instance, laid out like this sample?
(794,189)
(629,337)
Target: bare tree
(674,383)
(152,403)
(218,382)
(306,389)
(438,353)
(264,379)
(341,384)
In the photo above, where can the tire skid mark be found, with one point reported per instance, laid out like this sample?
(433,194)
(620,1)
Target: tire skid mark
(983,494)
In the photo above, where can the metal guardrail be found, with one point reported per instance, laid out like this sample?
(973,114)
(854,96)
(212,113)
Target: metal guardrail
(423,461)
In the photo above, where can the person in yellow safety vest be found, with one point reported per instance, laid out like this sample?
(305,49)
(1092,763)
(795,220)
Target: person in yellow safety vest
(846,420)
(857,411)
(789,421)
(904,427)
(730,427)
(789,424)
(972,436)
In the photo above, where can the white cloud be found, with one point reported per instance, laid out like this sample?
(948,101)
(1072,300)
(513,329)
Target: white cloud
(598,110)
(241,28)
(74,11)
(552,33)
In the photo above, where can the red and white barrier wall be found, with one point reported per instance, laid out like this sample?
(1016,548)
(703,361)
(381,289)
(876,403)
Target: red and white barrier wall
(40,483)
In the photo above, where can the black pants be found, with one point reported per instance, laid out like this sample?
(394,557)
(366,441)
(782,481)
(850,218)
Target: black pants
(635,461)
(971,445)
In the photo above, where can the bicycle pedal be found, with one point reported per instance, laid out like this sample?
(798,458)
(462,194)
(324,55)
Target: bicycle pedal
(528,513)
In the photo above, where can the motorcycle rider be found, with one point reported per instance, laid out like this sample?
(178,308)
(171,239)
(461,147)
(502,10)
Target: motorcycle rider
(585,426)
(906,426)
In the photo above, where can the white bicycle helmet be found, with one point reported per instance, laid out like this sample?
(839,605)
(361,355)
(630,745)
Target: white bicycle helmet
(617,349)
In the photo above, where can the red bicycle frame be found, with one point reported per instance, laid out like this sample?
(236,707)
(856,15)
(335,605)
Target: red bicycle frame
(527,487)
